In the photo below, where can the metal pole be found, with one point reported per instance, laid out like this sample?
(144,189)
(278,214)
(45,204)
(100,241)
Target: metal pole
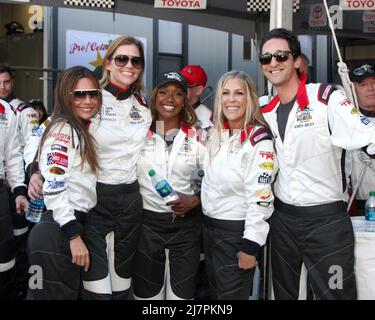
(281,14)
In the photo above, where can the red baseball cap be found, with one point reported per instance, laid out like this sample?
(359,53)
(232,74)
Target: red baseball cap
(195,75)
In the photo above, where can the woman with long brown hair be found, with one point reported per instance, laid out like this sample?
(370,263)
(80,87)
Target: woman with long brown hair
(236,191)
(112,227)
(68,163)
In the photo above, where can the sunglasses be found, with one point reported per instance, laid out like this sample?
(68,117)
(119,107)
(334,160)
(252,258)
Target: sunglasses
(122,60)
(279,55)
(366,68)
(82,94)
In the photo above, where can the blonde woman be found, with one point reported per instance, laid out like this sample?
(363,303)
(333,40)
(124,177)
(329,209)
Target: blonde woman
(112,228)
(236,191)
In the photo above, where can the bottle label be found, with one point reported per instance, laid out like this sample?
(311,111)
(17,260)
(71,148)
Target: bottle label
(370,214)
(163,188)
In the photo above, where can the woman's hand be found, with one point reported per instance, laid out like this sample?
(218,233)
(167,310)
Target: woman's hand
(35,189)
(246,261)
(80,254)
(21,204)
(184,204)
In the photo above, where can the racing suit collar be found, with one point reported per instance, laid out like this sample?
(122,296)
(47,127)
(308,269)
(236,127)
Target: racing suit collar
(10,97)
(245,134)
(367,113)
(302,98)
(118,92)
(184,127)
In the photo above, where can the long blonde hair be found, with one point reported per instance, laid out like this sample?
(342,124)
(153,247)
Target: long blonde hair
(124,40)
(253,114)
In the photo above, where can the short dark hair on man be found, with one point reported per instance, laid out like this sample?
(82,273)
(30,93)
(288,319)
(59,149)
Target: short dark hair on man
(4,68)
(290,37)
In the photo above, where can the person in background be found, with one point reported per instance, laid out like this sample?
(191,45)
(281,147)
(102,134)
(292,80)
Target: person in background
(197,79)
(39,107)
(68,163)
(27,125)
(168,252)
(304,67)
(11,166)
(312,125)
(363,77)
(237,199)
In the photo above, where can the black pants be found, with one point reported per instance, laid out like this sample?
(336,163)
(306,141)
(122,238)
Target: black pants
(21,233)
(221,241)
(111,234)
(154,277)
(320,236)
(7,248)
(49,250)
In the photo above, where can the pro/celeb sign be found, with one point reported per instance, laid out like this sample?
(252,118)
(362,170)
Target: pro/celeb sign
(181,4)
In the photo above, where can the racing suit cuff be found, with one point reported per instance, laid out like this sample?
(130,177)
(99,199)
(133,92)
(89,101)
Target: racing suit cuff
(249,247)
(20,191)
(364,149)
(32,168)
(71,229)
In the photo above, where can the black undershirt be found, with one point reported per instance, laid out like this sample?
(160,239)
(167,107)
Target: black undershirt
(282,116)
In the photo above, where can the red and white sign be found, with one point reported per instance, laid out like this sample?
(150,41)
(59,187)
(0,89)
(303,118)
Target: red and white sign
(369,27)
(318,16)
(357,4)
(368,16)
(181,4)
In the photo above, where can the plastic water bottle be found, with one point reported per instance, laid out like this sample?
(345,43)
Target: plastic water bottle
(162,186)
(35,210)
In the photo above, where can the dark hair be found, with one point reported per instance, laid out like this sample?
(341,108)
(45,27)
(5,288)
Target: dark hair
(64,112)
(39,105)
(290,37)
(6,69)
(187,113)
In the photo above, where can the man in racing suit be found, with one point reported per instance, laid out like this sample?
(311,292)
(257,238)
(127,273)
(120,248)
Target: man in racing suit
(364,80)
(11,166)
(27,124)
(312,125)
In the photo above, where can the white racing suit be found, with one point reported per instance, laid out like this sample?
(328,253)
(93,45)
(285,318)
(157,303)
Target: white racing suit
(112,228)
(310,223)
(168,253)
(11,166)
(27,124)
(237,200)
(356,161)
(69,193)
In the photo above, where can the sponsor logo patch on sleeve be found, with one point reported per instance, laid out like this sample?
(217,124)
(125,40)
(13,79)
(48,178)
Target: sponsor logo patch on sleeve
(59,147)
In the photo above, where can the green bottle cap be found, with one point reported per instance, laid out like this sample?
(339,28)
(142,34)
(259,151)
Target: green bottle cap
(152,172)
(372,193)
